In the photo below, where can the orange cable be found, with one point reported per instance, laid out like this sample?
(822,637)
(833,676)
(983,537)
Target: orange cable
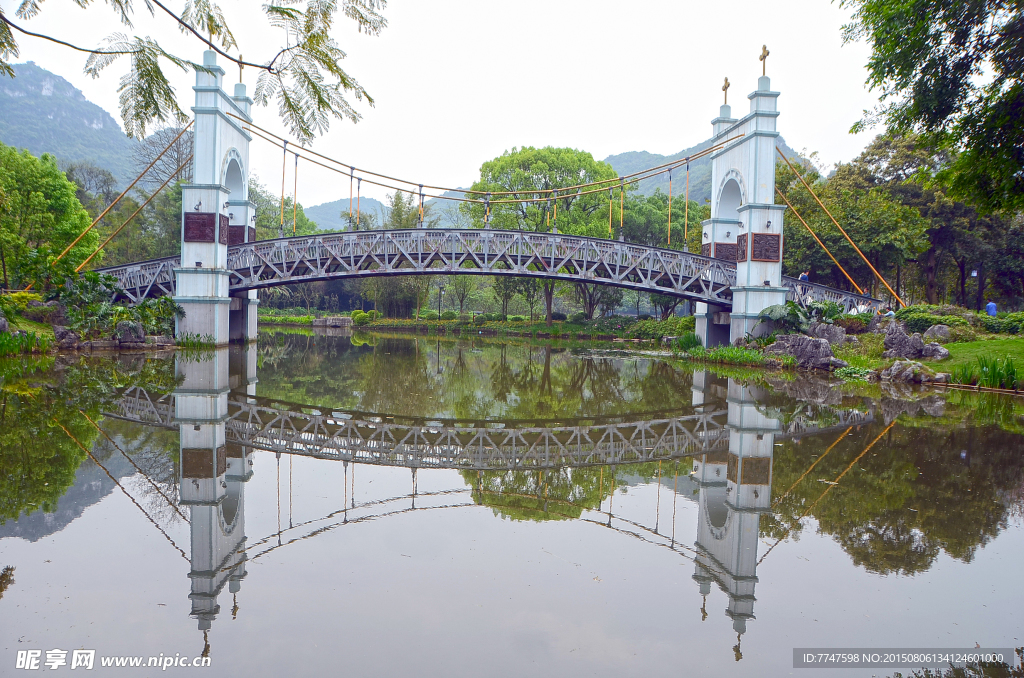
(822,205)
(814,235)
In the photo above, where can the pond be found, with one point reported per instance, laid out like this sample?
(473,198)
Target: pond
(376,505)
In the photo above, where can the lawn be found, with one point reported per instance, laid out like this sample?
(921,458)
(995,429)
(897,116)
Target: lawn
(968,352)
(41,329)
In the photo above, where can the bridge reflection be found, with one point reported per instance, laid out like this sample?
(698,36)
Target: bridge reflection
(725,445)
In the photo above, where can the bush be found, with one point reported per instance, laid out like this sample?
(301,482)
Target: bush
(962,334)
(1010,323)
(853,373)
(517,318)
(853,324)
(360,319)
(656,329)
(449,315)
(687,342)
(428,315)
(465,317)
(558,315)
(578,318)
(372,315)
(920,322)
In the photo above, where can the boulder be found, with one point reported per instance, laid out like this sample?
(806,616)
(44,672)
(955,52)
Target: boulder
(128,332)
(877,324)
(833,334)
(939,333)
(45,312)
(904,371)
(935,352)
(4,325)
(899,345)
(66,339)
(810,352)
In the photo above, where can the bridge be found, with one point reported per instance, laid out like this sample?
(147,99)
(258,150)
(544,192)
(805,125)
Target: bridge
(222,266)
(383,440)
(552,256)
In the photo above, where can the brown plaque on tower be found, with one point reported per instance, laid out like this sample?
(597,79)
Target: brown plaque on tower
(236,234)
(223,229)
(198,462)
(766,247)
(705,249)
(252,234)
(725,250)
(200,227)
(741,247)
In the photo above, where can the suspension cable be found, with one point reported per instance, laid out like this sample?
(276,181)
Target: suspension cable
(295,195)
(815,236)
(284,165)
(822,205)
(134,214)
(670,208)
(124,193)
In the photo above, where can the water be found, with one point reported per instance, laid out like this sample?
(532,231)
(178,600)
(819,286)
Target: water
(444,508)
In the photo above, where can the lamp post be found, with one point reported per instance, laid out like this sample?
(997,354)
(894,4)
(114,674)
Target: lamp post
(440,295)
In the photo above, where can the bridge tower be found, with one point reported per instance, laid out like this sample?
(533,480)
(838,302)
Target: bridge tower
(745,224)
(216,213)
(213,477)
(734,490)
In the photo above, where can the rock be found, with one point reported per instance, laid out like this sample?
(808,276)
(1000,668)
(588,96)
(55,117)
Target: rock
(935,352)
(809,352)
(833,334)
(876,324)
(45,312)
(66,339)
(899,345)
(941,378)
(4,325)
(130,333)
(939,333)
(904,371)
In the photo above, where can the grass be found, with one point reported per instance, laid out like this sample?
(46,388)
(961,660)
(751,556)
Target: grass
(23,343)
(735,355)
(42,329)
(864,355)
(961,354)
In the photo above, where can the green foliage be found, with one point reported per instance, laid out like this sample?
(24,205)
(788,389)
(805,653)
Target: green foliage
(788,317)
(656,329)
(452,315)
(196,342)
(926,56)
(852,373)
(920,322)
(289,319)
(360,318)
(826,311)
(1009,323)
(428,315)
(41,217)
(996,373)
(734,355)
(687,342)
(16,344)
(853,324)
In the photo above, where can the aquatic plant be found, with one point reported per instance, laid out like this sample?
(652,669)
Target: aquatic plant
(16,344)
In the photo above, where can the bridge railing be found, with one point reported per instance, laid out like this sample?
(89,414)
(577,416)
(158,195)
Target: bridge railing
(804,293)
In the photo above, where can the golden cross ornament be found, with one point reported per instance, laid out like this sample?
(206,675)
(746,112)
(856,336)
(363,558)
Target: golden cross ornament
(725,88)
(764,59)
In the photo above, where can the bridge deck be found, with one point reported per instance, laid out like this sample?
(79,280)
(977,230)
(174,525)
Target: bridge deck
(286,261)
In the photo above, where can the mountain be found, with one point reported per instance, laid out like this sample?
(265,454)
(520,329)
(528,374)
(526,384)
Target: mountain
(700,170)
(328,215)
(44,113)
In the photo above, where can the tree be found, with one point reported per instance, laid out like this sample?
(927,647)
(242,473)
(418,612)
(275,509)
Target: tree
(527,171)
(665,304)
(461,287)
(635,298)
(530,289)
(504,288)
(304,77)
(41,218)
(591,297)
(174,165)
(952,71)
(268,213)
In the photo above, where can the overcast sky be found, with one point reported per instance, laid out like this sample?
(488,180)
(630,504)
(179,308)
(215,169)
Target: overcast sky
(459,82)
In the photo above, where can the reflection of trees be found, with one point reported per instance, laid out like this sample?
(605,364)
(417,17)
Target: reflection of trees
(39,460)
(925,490)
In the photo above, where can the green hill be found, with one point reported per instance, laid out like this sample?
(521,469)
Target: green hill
(700,170)
(44,113)
(328,215)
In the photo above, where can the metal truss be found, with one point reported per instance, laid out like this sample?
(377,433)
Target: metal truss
(384,441)
(286,261)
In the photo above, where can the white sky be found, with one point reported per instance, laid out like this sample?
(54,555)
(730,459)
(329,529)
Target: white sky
(458,82)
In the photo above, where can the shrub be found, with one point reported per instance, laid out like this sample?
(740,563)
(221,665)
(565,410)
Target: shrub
(687,342)
(656,329)
(372,315)
(578,318)
(465,317)
(920,322)
(361,319)
(428,315)
(853,373)
(962,334)
(17,301)
(449,315)
(558,315)
(853,324)
(1010,323)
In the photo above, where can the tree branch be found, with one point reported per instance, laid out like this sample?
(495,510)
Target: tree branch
(61,42)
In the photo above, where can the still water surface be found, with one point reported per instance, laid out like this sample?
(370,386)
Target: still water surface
(395,506)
